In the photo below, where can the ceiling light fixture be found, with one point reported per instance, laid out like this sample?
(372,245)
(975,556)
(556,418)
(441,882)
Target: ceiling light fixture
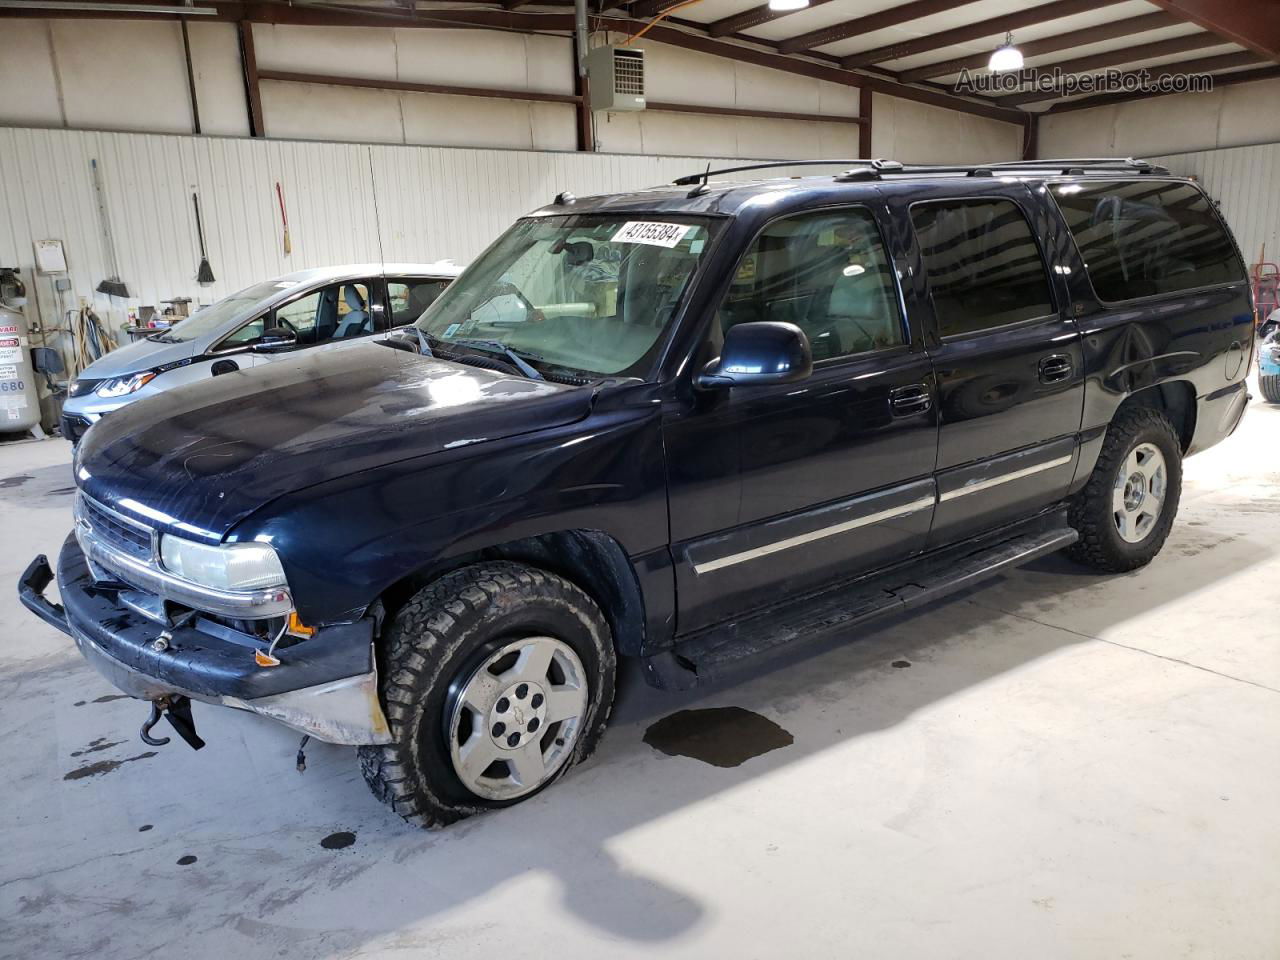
(783,6)
(1007,57)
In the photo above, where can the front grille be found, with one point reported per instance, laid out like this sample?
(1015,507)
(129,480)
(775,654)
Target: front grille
(74,427)
(114,531)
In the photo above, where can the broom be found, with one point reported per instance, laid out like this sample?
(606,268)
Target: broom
(112,286)
(204,274)
(284,217)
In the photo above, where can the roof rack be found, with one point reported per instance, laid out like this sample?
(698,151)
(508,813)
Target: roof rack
(692,178)
(1084,164)
(877,169)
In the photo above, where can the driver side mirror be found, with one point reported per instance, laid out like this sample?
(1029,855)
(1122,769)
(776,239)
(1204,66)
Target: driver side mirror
(762,352)
(276,340)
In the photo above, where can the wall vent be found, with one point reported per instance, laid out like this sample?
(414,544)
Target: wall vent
(616,78)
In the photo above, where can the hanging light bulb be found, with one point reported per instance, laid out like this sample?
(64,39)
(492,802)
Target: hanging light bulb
(781,6)
(1007,57)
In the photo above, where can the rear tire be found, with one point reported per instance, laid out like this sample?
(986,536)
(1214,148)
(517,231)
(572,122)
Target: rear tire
(1270,388)
(1126,510)
(482,670)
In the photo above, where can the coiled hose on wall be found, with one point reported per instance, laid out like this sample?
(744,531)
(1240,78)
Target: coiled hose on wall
(91,338)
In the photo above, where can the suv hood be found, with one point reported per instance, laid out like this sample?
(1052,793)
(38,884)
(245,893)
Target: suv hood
(200,459)
(135,357)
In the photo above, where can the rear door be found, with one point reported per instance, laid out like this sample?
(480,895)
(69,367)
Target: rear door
(777,489)
(1006,354)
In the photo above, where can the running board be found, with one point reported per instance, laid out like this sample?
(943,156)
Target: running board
(711,653)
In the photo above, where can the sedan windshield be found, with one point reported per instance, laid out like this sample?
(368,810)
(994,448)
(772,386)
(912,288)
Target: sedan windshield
(589,293)
(210,319)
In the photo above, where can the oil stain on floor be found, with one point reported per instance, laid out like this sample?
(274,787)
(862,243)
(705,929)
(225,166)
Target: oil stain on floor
(339,840)
(720,736)
(96,746)
(103,766)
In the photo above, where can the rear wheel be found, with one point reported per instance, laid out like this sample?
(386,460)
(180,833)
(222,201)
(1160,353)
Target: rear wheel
(1126,510)
(498,677)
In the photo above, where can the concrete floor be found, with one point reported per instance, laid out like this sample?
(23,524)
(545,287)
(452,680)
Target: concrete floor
(1071,766)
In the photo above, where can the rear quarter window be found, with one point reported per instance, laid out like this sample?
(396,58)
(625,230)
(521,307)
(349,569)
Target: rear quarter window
(983,264)
(1142,238)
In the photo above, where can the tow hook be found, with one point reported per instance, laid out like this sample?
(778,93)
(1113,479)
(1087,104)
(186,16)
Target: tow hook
(178,711)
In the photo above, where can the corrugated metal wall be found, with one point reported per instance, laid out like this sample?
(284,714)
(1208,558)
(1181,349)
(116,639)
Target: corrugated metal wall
(1246,183)
(431,203)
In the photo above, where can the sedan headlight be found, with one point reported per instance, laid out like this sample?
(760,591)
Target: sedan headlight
(80,386)
(236,566)
(120,386)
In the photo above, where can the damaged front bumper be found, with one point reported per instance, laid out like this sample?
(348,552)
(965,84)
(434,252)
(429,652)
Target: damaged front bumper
(325,686)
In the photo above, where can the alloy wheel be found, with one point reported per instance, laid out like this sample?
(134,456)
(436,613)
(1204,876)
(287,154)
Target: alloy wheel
(514,720)
(1138,498)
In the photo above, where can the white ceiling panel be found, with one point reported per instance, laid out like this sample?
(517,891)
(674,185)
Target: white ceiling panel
(1124,43)
(916,28)
(706,11)
(958,16)
(842,11)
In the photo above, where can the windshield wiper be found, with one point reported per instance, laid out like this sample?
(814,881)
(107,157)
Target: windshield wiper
(164,338)
(424,345)
(500,347)
(424,339)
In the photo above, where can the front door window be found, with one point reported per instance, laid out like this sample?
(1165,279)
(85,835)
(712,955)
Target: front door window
(339,311)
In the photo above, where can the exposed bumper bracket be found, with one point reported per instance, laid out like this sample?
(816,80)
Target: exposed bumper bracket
(31,586)
(346,710)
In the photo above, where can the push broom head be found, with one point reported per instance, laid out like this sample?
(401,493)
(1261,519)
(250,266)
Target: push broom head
(114,287)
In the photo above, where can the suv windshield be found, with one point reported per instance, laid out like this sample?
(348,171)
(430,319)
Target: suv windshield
(590,293)
(209,319)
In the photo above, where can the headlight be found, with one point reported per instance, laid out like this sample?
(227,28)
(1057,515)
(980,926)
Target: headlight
(237,566)
(119,386)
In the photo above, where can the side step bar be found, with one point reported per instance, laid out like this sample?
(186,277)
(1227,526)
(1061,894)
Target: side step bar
(712,653)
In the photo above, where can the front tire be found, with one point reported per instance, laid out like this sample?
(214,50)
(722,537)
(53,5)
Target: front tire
(497,678)
(1270,388)
(1126,510)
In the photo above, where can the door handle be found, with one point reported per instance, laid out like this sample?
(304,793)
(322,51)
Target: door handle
(1055,369)
(908,401)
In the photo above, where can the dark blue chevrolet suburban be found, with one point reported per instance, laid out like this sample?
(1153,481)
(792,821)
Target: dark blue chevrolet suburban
(689,425)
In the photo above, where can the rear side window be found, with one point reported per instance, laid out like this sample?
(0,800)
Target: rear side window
(1140,238)
(983,265)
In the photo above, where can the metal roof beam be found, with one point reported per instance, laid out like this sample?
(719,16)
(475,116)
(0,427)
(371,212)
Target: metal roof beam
(1106,99)
(1154,74)
(1254,24)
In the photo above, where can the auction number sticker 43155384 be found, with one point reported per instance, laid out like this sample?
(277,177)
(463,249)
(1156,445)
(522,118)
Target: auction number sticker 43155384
(651,232)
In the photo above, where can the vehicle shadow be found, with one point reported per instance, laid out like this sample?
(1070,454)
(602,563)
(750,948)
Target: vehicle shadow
(272,880)
(952,646)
